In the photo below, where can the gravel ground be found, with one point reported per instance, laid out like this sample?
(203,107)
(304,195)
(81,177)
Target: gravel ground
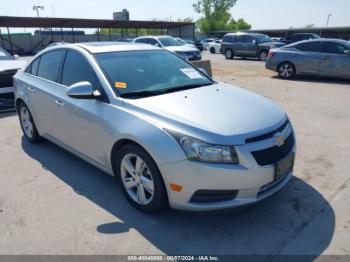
(54,203)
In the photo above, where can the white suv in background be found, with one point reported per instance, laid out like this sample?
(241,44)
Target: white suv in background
(170,43)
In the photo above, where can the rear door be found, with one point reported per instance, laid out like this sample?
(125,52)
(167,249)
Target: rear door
(249,47)
(334,61)
(44,90)
(308,57)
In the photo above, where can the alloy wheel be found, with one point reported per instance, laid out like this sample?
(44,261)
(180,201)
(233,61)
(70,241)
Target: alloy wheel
(263,56)
(286,71)
(26,122)
(137,179)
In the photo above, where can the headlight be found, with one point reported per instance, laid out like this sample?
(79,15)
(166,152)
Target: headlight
(197,150)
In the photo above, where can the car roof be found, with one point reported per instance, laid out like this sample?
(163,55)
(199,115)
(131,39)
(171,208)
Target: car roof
(340,41)
(244,33)
(105,47)
(155,36)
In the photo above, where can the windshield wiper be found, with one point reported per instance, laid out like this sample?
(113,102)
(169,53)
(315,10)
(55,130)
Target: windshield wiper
(184,87)
(148,93)
(141,94)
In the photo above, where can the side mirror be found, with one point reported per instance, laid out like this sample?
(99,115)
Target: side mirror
(82,90)
(347,52)
(157,44)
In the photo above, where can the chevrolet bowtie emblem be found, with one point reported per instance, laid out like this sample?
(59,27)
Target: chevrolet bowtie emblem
(280,140)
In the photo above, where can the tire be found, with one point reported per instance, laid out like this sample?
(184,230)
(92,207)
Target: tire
(212,50)
(143,187)
(229,54)
(286,70)
(27,124)
(263,56)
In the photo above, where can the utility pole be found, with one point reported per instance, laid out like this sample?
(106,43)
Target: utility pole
(328,18)
(36,9)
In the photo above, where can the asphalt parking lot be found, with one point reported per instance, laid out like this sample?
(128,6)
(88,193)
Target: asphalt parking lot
(51,202)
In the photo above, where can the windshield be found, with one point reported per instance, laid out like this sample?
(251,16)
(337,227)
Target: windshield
(263,38)
(4,55)
(181,41)
(149,72)
(169,41)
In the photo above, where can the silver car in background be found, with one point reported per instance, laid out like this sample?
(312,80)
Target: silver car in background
(320,57)
(188,52)
(171,135)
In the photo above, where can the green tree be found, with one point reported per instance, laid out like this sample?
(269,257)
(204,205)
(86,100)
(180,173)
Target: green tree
(216,16)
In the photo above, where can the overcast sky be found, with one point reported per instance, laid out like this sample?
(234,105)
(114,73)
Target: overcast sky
(262,14)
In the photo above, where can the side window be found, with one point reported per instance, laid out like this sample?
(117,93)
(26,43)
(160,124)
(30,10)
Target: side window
(143,41)
(247,39)
(333,48)
(33,67)
(153,42)
(227,38)
(49,65)
(310,47)
(239,39)
(77,69)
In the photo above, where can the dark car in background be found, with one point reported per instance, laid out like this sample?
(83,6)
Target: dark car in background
(301,37)
(320,57)
(248,45)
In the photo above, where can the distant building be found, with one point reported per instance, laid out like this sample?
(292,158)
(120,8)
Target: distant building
(58,32)
(121,16)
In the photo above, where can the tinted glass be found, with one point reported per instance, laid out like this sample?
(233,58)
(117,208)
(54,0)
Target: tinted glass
(263,38)
(138,71)
(227,38)
(169,41)
(310,47)
(238,38)
(77,69)
(49,65)
(35,66)
(248,39)
(334,48)
(153,42)
(142,40)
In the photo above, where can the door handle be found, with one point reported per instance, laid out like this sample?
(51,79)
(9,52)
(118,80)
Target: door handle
(58,102)
(31,89)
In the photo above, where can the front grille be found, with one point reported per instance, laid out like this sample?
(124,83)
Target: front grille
(271,155)
(270,187)
(212,196)
(268,135)
(6,78)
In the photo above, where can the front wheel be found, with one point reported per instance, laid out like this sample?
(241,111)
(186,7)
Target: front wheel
(229,54)
(27,124)
(140,179)
(212,50)
(286,70)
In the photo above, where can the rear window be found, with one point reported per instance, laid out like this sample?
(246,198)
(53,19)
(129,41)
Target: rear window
(227,38)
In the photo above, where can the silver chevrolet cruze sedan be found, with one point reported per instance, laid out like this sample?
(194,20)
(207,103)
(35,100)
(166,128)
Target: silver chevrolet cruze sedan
(169,133)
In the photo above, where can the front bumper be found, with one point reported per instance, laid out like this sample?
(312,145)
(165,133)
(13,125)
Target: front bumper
(250,181)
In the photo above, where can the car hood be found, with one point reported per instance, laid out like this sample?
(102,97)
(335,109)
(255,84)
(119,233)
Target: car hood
(182,48)
(6,65)
(273,44)
(218,113)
